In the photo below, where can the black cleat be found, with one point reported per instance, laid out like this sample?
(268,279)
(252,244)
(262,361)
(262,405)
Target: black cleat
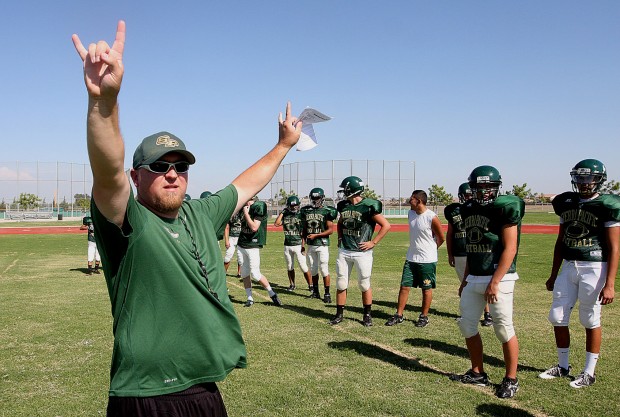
(336,320)
(395,319)
(249,303)
(367,320)
(327,299)
(276,300)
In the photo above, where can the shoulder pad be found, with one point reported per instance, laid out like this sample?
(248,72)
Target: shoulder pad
(376,205)
(450,209)
(341,205)
(512,206)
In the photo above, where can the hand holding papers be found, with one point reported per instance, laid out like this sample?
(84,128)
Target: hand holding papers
(308,117)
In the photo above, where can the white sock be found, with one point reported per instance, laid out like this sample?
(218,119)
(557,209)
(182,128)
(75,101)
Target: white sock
(271,292)
(563,357)
(591,359)
(248,292)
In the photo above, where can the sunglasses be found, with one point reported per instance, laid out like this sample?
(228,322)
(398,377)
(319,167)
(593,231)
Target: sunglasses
(162,167)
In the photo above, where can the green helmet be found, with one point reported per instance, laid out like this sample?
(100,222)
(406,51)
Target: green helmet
(187,197)
(206,194)
(484,182)
(588,176)
(292,203)
(317,195)
(351,186)
(464,192)
(87,220)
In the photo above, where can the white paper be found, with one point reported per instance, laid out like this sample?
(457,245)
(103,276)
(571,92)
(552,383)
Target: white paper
(308,117)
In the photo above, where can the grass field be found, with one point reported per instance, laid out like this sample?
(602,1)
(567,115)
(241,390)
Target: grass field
(56,341)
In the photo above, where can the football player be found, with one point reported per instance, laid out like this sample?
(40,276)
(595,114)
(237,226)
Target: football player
(251,240)
(492,231)
(420,269)
(587,252)
(231,237)
(358,218)
(317,224)
(455,241)
(93,253)
(290,220)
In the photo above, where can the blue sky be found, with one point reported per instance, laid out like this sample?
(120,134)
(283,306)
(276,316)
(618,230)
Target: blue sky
(530,87)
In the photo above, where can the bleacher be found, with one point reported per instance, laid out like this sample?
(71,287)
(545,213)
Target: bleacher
(28,215)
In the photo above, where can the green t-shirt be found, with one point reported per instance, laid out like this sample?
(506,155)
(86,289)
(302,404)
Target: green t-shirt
(483,227)
(585,238)
(291,223)
(249,239)
(452,212)
(170,332)
(314,221)
(356,224)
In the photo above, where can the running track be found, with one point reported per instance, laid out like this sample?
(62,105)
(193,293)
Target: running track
(55,230)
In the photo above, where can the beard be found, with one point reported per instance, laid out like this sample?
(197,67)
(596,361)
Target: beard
(167,203)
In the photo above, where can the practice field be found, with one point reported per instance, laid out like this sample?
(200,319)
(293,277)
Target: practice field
(56,341)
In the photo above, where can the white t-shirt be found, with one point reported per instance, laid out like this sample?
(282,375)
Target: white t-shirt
(422,245)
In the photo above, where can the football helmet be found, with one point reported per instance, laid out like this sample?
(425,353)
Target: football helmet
(292,203)
(317,195)
(588,176)
(464,192)
(187,197)
(484,182)
(351,186)
(206,194)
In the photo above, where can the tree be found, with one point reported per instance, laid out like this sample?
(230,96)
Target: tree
(438,196)
(611,187)
(28,201)
(520,191)
(283,195)
(368,193)
(82,201)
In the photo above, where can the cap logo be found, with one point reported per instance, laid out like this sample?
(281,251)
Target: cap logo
(167,141)
(483,178)
(583,171)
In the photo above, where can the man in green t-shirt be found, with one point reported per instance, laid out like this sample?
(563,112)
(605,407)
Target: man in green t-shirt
(251,240)
(587,250)
(358,218)
(175,330)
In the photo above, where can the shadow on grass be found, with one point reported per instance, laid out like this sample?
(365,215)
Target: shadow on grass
(462,352)
(82,270)
(376,352)
(414,309)
(493,410)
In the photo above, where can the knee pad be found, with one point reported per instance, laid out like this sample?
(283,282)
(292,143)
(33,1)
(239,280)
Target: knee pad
(468,328)
(590,316)
(559,314)
(363,284)
(324,269)
(342,283)
(255,275)
(504,331)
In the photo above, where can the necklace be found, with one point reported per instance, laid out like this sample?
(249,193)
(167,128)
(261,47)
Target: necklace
(203,268)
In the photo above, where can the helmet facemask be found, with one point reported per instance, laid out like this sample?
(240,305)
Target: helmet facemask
(587,185)
(485,193)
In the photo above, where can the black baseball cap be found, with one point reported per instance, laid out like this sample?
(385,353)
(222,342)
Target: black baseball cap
(157,145)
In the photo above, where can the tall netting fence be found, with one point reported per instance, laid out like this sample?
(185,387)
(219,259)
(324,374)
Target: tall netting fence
(59,189)
(391,181)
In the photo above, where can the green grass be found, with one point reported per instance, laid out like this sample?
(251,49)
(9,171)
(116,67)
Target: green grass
(56,341)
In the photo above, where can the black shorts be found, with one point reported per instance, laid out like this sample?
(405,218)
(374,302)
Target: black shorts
(203,400)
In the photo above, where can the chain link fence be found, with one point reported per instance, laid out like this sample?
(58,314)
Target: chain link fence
(391,181)
(55,184)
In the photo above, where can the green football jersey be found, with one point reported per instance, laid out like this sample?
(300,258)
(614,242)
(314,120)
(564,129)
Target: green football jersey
(249,239)
(170,331)
(483,227)
(291,223)
(234,224)
(452,213)
(584,221)
(356,224)
(314,221)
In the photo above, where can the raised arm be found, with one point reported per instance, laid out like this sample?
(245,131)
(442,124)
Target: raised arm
(256,177)
(103,74)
